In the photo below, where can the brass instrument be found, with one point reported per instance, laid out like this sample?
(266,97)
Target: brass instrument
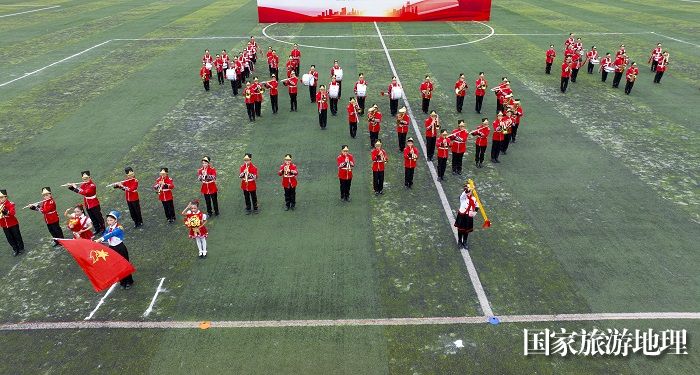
(2,208)
(487,222)
(461,88)
(632,77)
(158,186)
(347,164)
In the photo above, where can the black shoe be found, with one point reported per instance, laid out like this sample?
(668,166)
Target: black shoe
(292,208)
(376,193)
(496,161)
(286,208)
(127,286)
(247,212)
(255,211)
(504,152)
(15,253)
(513,140)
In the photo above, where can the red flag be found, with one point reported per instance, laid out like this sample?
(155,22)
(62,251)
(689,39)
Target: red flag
(102,265)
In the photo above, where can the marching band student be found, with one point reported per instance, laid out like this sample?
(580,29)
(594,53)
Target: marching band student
(549,59)
(79,223)
(296,56)
(225,60)
(9,224)
(273,62)
(114,236)
(443,151)
(517,115)
(257,90)
(238,83)
(393,103)
(336,70)
(248,173)
(312,88)
(89,192)
(361,98)
(507,123)
(207,59)
(195,221)
(426,92)
(432,128)
(274,93)
(353,116)
(410,158)
(288,171)
(569,41)
(402,127)
(605,62)
(334,101)
(47,206)
(565,74)
(459,146)
(575,66)
(481,142)
(578,46)
(164,188)
(460,92)
(502,90)
(207,176)
(481,84)
(130,186)
(590,57)
(661,67)
(656,55)
(374,119)
(496,138)
(345,162)
(290,66)
(465,217)
(322,104)
(204,74)
(291,84)
(621,51)
(631,76)
(219,65)
(379,160)
(249,98)
(620,66)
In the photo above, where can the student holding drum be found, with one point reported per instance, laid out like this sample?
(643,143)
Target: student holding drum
(361,92)
(311,79)
(337,72)
(334,95)
(395,92)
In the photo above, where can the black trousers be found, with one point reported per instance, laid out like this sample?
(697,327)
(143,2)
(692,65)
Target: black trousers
(296,70)
(441,167)
(616,79)
(361,103)
(408,176)
(590,68)
(312,93)
(495,149)
(628,87)
(334,106)
(373,136)
(425,105)
(246,73)
(212,200)
(378,181)
(353,129)
(402,141)
(479,102)
(206,85)
(250,108)
(323,118)
(169,208)
(251,199)
(290,197)
(258,109)
(55,230)
(98,221)
(430,147)
(220,77)
(657,77)
(123,251)
(479,154)
(135,212)
(514,132)
(345,188)
(457,162)
(274,103)
(654,63)
(393,106)
(293,101)
(564,84)
(459,103)
(574,74)
(548,68)
(505,142)
(14,237)
(603,76)
(234,87)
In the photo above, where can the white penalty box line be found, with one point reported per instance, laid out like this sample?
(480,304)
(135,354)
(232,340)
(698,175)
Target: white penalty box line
(27,11)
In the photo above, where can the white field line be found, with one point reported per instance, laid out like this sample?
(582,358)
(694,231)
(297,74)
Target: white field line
(28,326)
(476,283)
(29,11)
(691,1)
(153,301)
(182,38)
(677,40)
(54,63)
(448,35)
(102,300)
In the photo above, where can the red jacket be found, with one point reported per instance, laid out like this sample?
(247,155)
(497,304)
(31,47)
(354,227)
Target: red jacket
(207,58)
(379,158)
(296,56)
(89,192)
(130,187)
(274,87)
(248,95)
(375,122)
(290,67)
(431,130)
(482,135)
(204,74)
(273,61)
(459,141)
(345,164)
(550,55)
(289,179)
(255,88)
(219,64)
(361,82)
(76,224)
(661,66)
(208,178)
(8,219)
(462,86)
(321,101)
(410,156)
(427,87)
(620,64)
(402,123)
(352,113)
(248,174)
(48,208)
(479,83)
(498,135)
(443,146)
(315,74)
(292,85)
(566,69)
(632,71)
(165,193)
(518,114)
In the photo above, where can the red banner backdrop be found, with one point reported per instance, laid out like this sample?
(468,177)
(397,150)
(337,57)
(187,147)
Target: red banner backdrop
(286,11)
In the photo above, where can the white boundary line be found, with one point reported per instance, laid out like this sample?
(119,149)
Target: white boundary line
(476,283)
(28,326)
(444,35)
(102,300)
(677,40)
(153,301)
(29,11)
(181,38)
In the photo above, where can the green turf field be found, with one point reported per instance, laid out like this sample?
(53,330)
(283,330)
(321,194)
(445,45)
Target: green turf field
(594,210)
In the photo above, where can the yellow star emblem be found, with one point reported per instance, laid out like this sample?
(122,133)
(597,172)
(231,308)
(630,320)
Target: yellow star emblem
(95,255)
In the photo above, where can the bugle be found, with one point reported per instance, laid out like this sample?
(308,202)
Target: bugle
(487,222)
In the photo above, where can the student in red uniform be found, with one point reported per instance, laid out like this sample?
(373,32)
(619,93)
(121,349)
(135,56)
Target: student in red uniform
(322,106)
(291,84)
(656,55)
(164,188)
(248,173)
(374,119)
(89,192)
(496,138)
(296,57)
(205,74)
(481,142)
(9,223)
(459,146)
(273,87)
(661,67)
(208,59)
(465,217)
(620,66)
(393,103)
(481,85)
(379,160)
(461,88)
(195,221)
(621,51)
(334,100)
(549,59)
(402,127)
(130,186)
(605,62)
(361,96)
(219,66)
(249,98)
(565,74)
(226,60)
(432,129)
(575,65)
(631,76)
(426,92)
(443,151)
(517,116)
(337,73)
(507,124)
(345,162)
(591,56)
(353,116)
(312,88)
(410,159)
(289,172)
(207,176)
(79,223)
(258,91)
(290,66)
(47,206)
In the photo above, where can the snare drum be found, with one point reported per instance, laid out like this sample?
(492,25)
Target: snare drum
(609,69)
(231,74)
(208,66)
(307,79)
(361,90)
(333,91)
(396,92)
(595,61)
(339,74)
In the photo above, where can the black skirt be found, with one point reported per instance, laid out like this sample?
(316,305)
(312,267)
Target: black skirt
(464,223)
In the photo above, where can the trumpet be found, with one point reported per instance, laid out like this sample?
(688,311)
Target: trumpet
(460,88)
(487,222)
(2,208)
(632,77)
(158,186)
(33,204)
(347,165)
